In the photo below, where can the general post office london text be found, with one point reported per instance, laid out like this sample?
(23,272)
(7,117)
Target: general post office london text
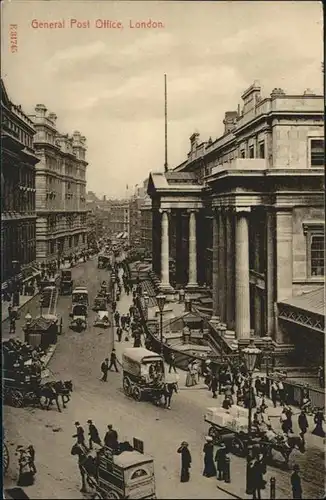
(97,23)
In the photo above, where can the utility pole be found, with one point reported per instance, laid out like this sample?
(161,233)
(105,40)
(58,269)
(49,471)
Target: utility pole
(165,125)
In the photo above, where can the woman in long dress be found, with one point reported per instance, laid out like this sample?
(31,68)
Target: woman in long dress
(190,378)
(209,466)
(319,419)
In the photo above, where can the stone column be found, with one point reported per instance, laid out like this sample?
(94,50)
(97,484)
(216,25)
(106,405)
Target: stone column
(229,282)
(165,279)
(242,300)
(257,297)
(192,282)
(269,280)
(221,267)
(215,281)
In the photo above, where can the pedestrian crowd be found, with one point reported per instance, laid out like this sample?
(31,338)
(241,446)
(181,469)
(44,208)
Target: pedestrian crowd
(110,438)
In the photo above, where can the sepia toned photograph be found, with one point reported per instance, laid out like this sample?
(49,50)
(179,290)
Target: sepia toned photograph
(163,249)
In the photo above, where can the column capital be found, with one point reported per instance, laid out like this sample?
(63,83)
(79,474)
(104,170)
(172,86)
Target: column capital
(166,210)
(244,210)
(192,210)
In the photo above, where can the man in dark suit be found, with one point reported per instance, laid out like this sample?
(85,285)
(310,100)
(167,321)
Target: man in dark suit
(93,434)
(79,434)
(111,438)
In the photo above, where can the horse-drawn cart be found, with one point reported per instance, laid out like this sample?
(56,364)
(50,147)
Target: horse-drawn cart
(143,374)
(122,473)
(231,428)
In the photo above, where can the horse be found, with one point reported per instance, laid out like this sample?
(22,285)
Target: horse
(87,466)
(50,394)
(63,389)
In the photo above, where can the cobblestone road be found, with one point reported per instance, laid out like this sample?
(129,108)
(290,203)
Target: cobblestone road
(78,357)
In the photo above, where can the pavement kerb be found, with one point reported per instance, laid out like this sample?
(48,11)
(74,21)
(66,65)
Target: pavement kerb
(5,316)
(225,490)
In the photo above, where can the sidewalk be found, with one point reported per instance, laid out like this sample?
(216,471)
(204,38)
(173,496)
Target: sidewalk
(24,299)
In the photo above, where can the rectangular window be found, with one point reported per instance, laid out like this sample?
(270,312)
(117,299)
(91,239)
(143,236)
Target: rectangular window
(317,152)
(242,153)
(251,152)
(317,255)
(262,150)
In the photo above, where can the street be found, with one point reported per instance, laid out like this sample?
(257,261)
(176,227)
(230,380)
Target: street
(78,357)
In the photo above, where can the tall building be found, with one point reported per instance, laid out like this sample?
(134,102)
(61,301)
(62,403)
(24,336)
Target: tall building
(146,224)
(98,216)
(120,217)
(60,189)
(18,218)
(245,213)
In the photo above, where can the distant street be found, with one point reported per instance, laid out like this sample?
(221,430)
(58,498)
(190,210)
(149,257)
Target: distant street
(78,357)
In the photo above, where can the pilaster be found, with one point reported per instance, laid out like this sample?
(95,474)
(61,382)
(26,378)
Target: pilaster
(215,280)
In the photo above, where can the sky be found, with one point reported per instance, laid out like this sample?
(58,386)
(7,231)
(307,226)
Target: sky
(109,83)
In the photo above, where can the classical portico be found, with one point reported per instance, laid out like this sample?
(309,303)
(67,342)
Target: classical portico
(176,203)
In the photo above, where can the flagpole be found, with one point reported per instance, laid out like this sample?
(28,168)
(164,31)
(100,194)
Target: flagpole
(165,125)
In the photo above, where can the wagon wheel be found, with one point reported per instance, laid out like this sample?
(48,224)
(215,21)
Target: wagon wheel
(136,392)
(126,386)
(113,494)
(238,447)
(7,395)
(5,458)
(214,433)
(17,399)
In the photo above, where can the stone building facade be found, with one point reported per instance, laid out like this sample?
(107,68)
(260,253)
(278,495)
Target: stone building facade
(18,218)
(60,189)
(146,224)
(120,217)
(245,213)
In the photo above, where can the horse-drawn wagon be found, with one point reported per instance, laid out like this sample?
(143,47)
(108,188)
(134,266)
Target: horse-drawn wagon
(78,317)
(102,319)
(100,303)
(66,282)
(231,428)
(122,473)
(143,374)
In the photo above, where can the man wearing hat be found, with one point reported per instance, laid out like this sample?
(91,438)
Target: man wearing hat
(79,434)
(111,438)
(296,482)
(185,461)
(93,435)
(220,456)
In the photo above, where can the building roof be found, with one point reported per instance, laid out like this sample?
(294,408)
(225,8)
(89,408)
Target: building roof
(313,302)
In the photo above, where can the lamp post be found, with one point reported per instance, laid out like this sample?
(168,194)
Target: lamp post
(250,354)
(161,298)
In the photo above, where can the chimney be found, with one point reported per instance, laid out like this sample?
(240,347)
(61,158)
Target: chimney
(52,117)
(40,110)
(230,121)
(277,92)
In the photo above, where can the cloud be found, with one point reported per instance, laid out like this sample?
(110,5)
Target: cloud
(110,85)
